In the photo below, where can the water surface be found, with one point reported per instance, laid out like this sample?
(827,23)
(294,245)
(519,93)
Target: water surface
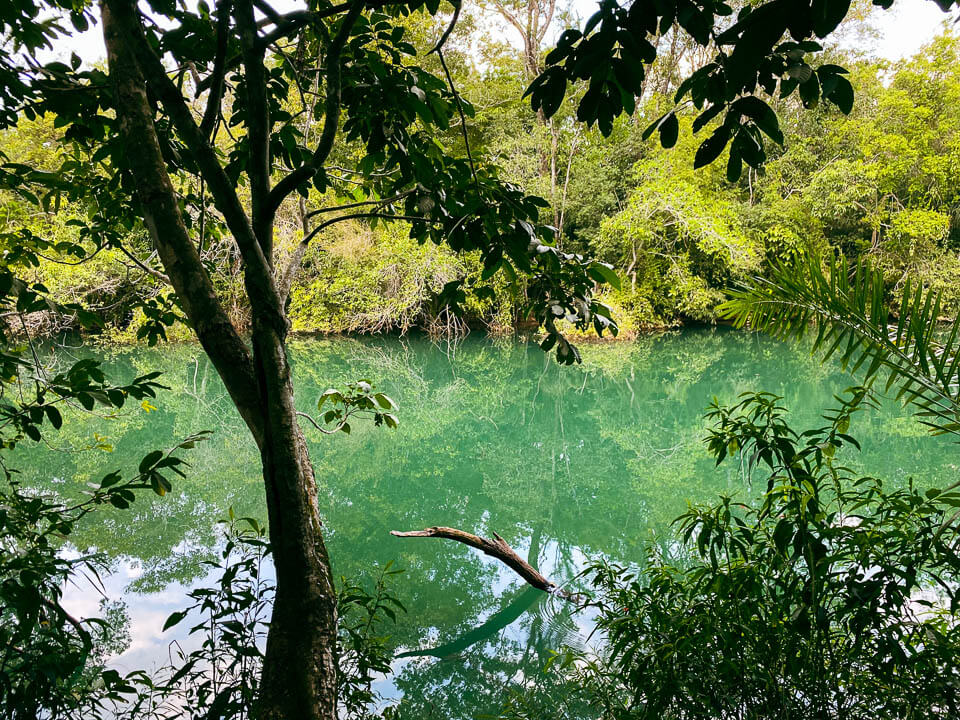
(566,464)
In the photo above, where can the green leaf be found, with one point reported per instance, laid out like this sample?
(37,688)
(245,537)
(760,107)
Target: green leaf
(601,272)
(669,130)
(174,619)
(54,416)
(150,460)
(654,125)
(711,148)
(384,401)
(489,270)
(332,394)
(762,116)
(842,95)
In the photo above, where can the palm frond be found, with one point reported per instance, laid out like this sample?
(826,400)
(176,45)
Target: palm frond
(852,320)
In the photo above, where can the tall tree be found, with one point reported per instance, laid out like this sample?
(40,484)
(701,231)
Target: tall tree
(532,19)
(176,77)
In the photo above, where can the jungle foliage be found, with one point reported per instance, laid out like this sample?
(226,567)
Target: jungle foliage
(878,183)
(834,596)
(835,564)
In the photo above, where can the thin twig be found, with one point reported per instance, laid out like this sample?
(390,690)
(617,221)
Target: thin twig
(463,117)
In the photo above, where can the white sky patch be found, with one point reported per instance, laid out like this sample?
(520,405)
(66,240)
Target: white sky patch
(907,26)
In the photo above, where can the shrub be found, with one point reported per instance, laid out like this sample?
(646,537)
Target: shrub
(833,597)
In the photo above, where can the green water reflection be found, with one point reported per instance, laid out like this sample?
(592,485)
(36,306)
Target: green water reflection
(564,463)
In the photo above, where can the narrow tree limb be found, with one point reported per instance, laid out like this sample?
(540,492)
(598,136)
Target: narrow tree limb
(286,277)
(359,216)
(285,281)
(293,22)
(144,267)
(257,121)
(290,23)
(381,201)
(216,78)
(272,15)
(331,119)
(463,117)
(457,4)
(496,548)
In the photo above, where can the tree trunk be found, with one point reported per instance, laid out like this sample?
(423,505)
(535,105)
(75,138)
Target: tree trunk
(299,674)
(299,671)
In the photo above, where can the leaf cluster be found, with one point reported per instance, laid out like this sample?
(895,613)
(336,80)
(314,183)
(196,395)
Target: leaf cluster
(848,309)
(764,49)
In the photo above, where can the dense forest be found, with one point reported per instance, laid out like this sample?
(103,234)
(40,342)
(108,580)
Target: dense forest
(879,184)
(182,216)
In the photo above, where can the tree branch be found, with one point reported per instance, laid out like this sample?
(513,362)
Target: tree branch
(457,4)
(463,118)
(144,267)
(212,111)
(496,548)
(84,259)
(322,429)
(331,119)
(382,201)
(286,281)
(509,17)
(264,298)
(294,21)
(289,24)
(272,15)
(358,216)
(257,121)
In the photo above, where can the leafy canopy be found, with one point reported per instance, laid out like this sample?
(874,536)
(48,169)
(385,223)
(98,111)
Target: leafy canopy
(767,48)
(339,102)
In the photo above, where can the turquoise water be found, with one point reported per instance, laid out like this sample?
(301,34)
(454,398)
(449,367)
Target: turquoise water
(567,464)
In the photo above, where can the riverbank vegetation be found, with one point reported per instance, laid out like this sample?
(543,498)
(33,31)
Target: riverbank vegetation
(879,184)
(835,596)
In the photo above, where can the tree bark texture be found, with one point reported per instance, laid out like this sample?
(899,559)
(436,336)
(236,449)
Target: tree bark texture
(299,675)
(299,671)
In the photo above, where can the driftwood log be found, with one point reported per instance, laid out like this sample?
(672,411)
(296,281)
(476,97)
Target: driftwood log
(496,548)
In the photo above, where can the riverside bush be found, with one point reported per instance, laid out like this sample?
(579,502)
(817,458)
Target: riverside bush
(833,597)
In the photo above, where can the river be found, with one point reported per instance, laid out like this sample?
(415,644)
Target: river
(567,464)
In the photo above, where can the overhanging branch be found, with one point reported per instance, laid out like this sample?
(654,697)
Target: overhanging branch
(496,548)
(358,216)
(286,279)
(382,201)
